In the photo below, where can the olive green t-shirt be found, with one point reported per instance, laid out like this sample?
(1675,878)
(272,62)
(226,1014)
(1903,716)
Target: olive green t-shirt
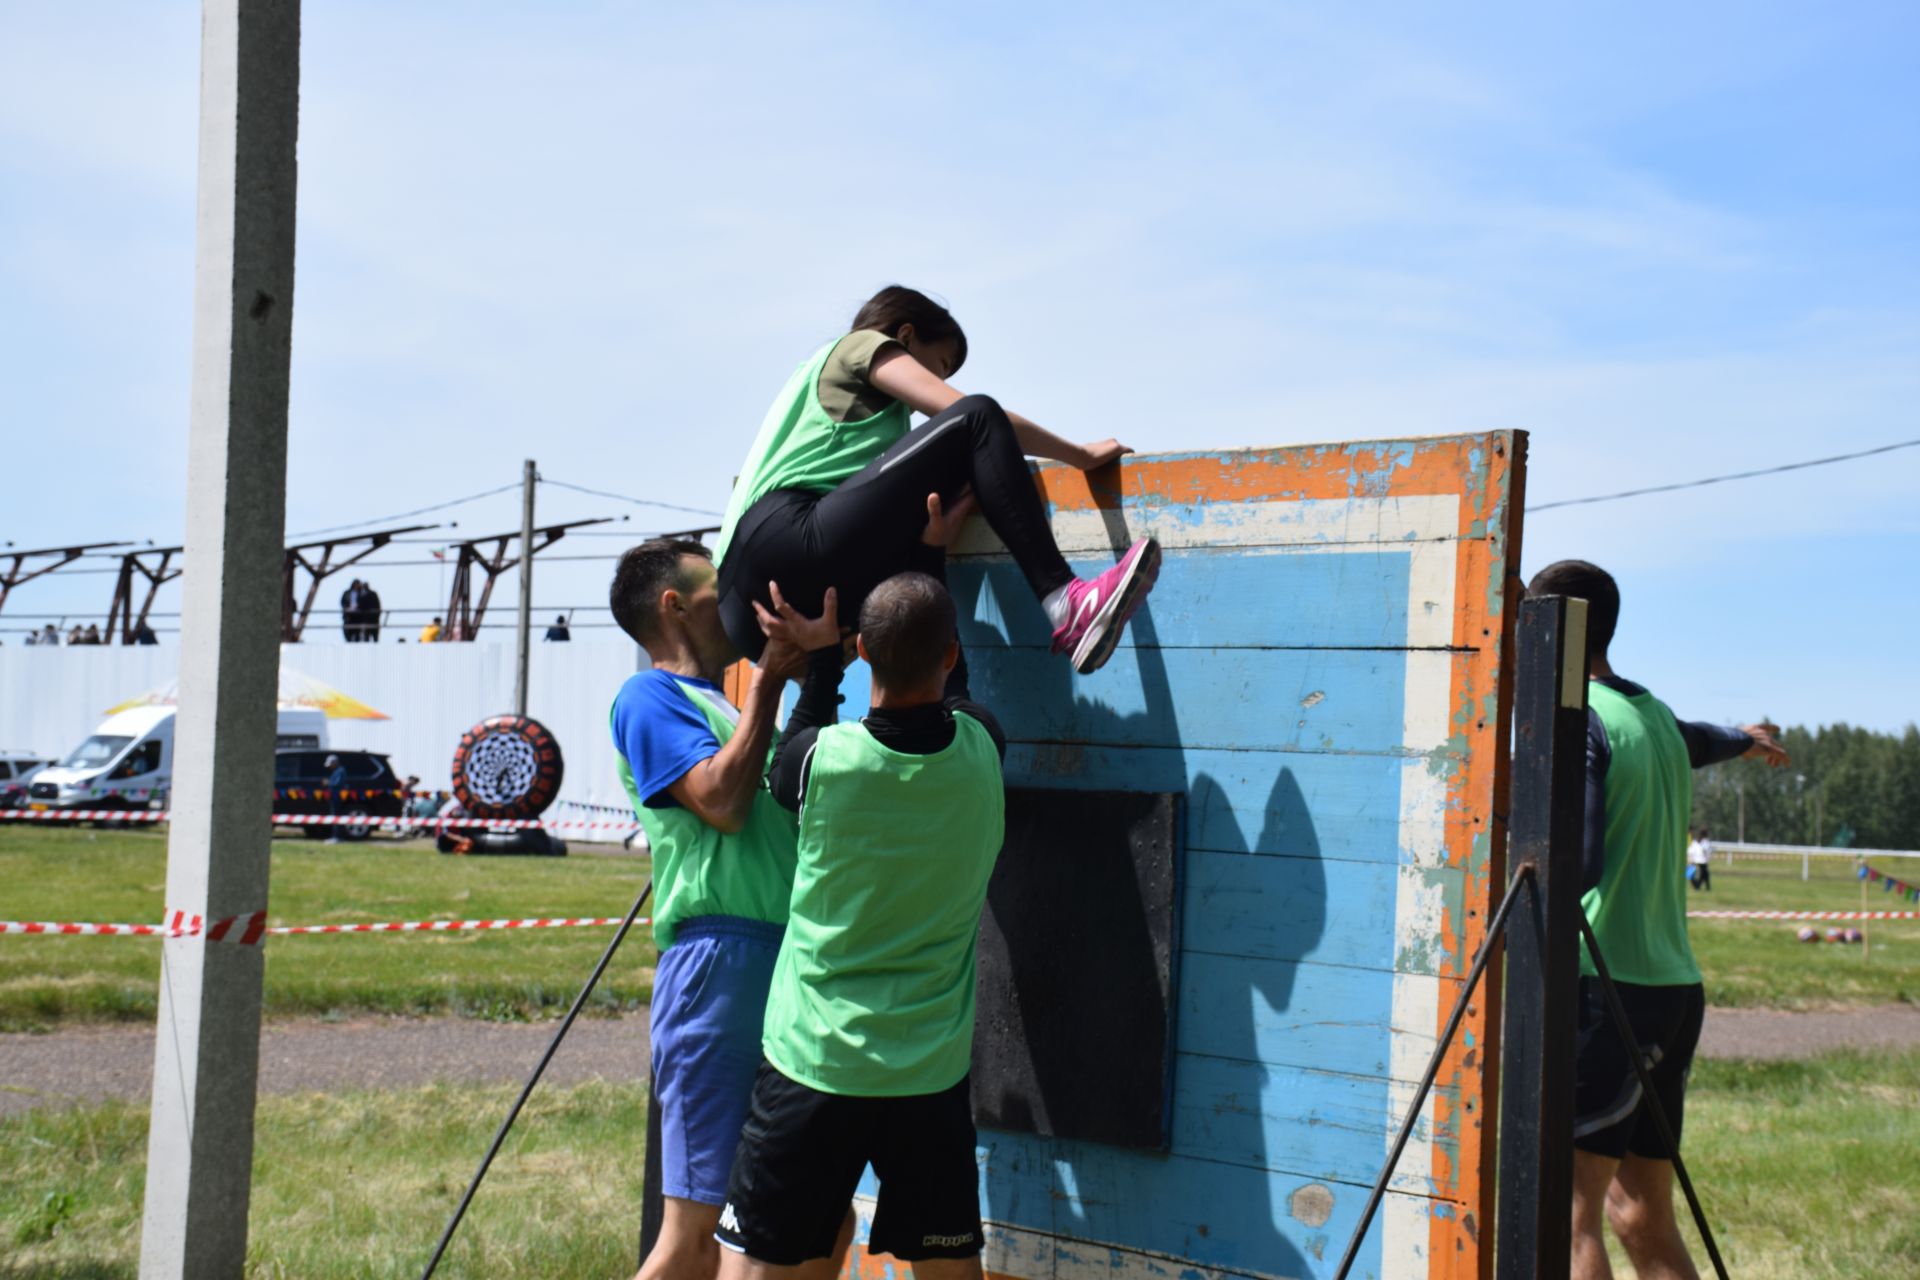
(843,388)
(873,990)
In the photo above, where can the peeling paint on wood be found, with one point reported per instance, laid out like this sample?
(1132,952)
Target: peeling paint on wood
(1318,671)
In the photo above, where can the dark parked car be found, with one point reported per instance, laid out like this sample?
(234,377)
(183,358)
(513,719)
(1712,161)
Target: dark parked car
(372,790)
(16,772)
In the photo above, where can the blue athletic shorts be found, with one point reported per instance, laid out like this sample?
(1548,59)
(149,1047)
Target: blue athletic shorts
(709,1002)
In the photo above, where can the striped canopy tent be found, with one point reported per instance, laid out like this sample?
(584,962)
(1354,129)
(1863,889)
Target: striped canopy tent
(297,689)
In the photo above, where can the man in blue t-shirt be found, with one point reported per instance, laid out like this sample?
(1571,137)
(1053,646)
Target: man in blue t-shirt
(723,860)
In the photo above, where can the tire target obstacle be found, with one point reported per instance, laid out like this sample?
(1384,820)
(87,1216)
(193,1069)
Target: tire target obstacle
(507,767)
(1308,717)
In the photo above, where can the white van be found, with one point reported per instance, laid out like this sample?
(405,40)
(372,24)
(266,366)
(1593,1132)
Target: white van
(128,762)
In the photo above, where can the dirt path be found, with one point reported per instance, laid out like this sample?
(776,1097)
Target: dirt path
(86,1064)
(1772,1033)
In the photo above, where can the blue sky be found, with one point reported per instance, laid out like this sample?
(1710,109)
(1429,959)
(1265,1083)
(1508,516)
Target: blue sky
(1668,242)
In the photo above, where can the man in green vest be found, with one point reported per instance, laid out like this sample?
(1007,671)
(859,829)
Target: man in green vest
(723,857)
(1640,759)
(869,1027)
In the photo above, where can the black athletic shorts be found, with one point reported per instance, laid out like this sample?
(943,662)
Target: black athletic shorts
(801,1155)
(1610,1112)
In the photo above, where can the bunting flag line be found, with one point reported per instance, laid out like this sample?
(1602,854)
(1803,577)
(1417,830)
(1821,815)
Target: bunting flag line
(1888,882)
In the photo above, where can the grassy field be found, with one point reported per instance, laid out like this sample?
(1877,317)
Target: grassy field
(1763,963)
(1806,1166)
(350,1185)
(84,874)
(81,873)
(1807,1169)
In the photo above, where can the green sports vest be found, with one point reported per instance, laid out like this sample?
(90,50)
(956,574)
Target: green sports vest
(801,447)
(1639,908)
(873,989)
(700,871)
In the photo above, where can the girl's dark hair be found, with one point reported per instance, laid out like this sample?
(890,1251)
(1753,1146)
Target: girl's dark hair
(896,305)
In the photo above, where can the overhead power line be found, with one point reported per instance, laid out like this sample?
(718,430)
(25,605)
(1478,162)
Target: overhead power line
(1737,475)
(621,497)
(402,515)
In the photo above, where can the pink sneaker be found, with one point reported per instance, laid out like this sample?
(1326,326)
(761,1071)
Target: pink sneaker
(1098,610)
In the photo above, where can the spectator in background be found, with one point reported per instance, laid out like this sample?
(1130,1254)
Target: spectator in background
(559,631)
(370,614)
(33,637)
(143,634)
(50,636)
(430,632)
(76,636)
(336,782)
(93,634)
(350,611)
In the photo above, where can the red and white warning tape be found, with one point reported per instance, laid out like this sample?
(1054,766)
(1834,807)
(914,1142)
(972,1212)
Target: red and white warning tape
(248,930)
(322,820)
(82,815)
(1803,915)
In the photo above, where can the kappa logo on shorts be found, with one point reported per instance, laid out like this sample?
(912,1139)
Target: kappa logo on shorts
(729,1220)
(948,1242)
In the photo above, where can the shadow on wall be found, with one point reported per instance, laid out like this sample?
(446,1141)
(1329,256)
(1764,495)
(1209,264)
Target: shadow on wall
(1210,1212)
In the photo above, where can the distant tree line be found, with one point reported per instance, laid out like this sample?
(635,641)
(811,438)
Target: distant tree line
(1846,786)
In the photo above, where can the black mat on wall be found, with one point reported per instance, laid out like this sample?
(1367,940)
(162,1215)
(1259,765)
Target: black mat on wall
(1074,1037)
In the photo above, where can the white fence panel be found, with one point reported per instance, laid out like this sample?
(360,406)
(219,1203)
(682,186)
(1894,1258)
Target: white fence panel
(51,698)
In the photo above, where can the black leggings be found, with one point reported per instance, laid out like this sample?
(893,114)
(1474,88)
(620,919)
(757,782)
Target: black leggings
(869,528)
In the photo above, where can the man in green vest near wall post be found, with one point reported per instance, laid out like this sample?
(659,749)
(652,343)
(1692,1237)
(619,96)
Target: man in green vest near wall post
(723,857)
(869,1027)
(1640,759)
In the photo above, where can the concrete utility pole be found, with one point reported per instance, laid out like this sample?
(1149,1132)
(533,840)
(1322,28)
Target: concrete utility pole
(207,1046)
(526,590)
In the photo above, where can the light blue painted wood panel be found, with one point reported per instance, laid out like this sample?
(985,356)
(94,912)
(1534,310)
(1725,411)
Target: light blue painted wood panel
(1305,804)
(1279,908)
(1315,1124)
(1218,1215)
(1244,699)
(1287,1013)
(1216,598)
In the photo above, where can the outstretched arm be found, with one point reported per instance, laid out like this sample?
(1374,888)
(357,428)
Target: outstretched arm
(895,372)
(1710,744)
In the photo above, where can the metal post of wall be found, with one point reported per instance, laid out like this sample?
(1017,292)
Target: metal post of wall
(206,1049)
(1543,941)
(526,592)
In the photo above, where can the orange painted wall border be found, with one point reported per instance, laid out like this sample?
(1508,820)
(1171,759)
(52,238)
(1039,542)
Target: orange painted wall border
(1487,472)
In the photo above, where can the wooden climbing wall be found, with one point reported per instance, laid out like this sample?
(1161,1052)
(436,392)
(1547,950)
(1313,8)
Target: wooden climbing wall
(1319,674)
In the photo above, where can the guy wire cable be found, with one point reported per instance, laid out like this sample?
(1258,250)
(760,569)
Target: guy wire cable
(526,1091)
